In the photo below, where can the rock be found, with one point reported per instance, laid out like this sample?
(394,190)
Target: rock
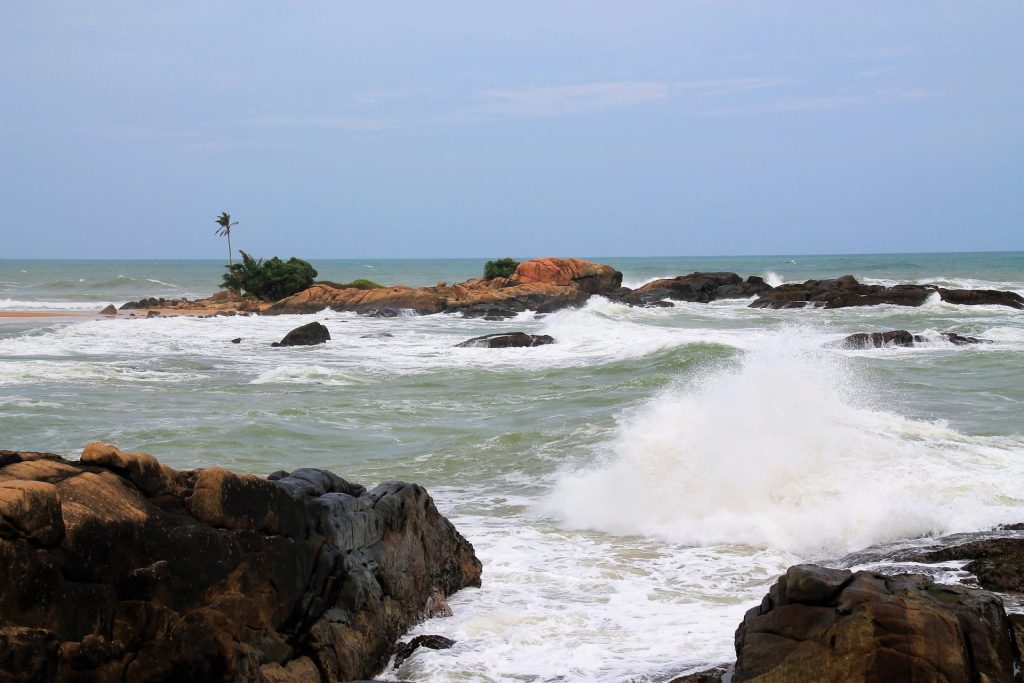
(376,335)
(876,340)
(715,674)
(699,287)
(841,292)
(119,568)
(505,340)
(998,563)
(110,309)
(306,335)
(404,650)
(540,284)
(153,314)
(820,624)
(236,340)
(981,297)
(224,295)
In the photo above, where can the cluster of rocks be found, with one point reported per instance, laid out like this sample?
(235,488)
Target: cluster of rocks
(119,568)
(876,340)
(846,291)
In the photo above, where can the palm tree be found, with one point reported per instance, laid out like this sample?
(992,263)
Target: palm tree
(224,221)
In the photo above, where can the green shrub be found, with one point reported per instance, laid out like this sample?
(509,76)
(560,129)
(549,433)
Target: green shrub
(363,283)
(503,267)
(269,280)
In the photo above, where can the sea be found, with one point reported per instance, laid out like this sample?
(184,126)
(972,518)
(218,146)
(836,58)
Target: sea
(631,489)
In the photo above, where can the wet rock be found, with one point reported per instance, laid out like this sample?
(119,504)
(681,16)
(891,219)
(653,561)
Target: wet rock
(841,292)
(836,625)
(404,650)
(713,675)
(307,335)
(110,309)
(697,287)
(119,568)
(998,563)
(236,340)
(981,297)
(506,340)
(376,335)
(954,338)
(876,340)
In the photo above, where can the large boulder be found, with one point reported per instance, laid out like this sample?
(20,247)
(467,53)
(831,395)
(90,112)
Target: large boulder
(846,291)
(981,297)
(309,334)
(699,287)
(118,568)
(820,624)
(506,340)
(539,284)
(876,340)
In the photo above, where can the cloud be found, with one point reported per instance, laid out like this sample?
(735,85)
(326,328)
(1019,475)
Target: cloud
(339,122)
(564,100)
(830,102)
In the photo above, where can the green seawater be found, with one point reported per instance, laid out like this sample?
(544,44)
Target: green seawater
(631,489)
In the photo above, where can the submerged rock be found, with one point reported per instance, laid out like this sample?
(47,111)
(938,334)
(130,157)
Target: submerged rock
(876,340)
(307,335)
(820,624)
(119,568)
(506,340)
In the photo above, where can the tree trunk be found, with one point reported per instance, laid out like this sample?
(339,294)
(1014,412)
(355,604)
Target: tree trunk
(229,247)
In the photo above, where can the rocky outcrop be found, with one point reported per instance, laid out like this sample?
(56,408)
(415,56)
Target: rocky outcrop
(506,340)
(876,340)
(820,624)
(309,334)
(846,291)
(540,284)
(997,563)
(119,568)
(699,287)
(981,297)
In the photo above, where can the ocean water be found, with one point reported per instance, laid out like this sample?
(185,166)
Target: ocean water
(631,489)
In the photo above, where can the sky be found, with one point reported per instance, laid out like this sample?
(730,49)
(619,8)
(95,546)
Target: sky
(488,129)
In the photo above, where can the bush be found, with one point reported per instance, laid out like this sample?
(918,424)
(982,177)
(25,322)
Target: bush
(503,267)
(363,283)
(269,280)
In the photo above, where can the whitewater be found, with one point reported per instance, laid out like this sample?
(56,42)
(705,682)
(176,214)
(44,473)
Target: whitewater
(631,489)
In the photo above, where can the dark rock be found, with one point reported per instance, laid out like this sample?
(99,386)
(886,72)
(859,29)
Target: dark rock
(698,287)
(875,340)
(981,297)
(109,310)
(834,625)
(376,335)
(841,292)
(713,675)
(404,650)
(119,568)
(954,338)
(490,311)
(307,335)
(998,563)
(505,340)
(236,340)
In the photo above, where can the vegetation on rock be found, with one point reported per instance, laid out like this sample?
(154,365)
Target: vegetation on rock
(269,280)
(503,267)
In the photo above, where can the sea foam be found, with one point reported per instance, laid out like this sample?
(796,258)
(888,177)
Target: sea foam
(791,451)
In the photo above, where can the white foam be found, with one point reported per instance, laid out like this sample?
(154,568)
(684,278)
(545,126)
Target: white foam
(782,452)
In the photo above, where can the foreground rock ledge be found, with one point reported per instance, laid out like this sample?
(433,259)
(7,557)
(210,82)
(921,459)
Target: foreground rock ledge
(119,568)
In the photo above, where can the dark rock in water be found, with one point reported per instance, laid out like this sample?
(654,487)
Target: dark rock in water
(981,297)
(492,311)
(505,340)
(376,335)
(713,675)
(236,340)
(874,340)
(954,338)
(998,563)
(699,287)
(307,335)
(841,292)
(110,309)
(119,568)
(820,624)
(404,650)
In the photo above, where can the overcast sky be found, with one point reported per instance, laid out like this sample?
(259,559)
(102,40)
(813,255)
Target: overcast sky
(480,129)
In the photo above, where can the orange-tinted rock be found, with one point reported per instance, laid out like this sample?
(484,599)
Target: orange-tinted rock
(211,575)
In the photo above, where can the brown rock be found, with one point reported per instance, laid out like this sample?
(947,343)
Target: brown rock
(110,309)
(818,624)
(210,575)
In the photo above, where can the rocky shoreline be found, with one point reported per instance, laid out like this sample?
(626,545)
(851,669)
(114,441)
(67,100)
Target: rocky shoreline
(119,568)
(549,284)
